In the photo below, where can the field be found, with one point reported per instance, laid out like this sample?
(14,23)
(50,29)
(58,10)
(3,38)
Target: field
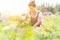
(22,30)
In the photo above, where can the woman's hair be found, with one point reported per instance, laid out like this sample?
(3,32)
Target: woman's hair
(32,3)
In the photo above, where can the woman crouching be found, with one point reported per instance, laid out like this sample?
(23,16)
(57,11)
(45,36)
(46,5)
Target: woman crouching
(36,15)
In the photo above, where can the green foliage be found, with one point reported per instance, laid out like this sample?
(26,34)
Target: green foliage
(57,8)
(53,9)
(49,30)
(41,7)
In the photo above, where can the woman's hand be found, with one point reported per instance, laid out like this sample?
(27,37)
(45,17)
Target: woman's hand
(34,26)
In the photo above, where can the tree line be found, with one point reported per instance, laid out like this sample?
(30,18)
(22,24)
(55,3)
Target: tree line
(54,9)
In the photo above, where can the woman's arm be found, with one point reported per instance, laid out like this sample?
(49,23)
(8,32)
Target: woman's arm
(39,20)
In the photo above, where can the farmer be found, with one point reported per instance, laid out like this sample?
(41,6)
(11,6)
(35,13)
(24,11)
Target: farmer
(35,15)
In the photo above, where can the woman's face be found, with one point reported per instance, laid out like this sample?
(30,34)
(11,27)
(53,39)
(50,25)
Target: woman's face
(32,9)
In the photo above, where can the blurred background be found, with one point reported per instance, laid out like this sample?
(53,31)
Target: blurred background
(10,7)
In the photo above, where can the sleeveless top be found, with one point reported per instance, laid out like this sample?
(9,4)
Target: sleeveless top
(35,19)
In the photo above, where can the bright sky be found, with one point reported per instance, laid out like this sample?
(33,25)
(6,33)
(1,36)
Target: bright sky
(10,7)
